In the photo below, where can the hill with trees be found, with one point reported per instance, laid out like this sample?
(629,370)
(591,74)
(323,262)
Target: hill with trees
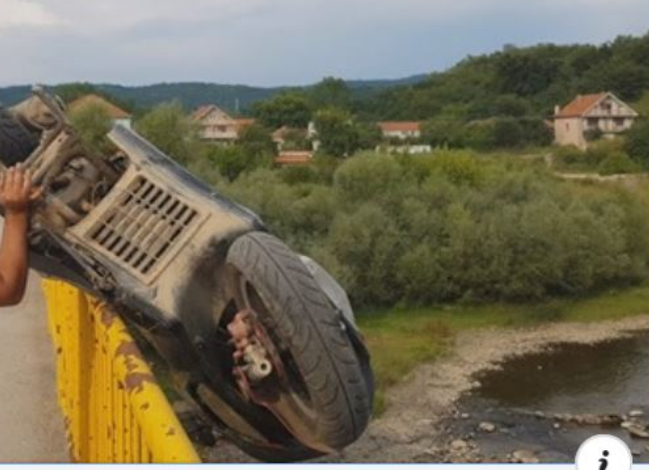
(520,82)
(192,95)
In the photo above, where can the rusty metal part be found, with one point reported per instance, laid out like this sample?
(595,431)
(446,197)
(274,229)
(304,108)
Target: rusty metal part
(251,356)
(273,391)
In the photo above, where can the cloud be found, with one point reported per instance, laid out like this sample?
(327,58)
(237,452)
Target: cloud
(271,42)
(17,13)
(101,16)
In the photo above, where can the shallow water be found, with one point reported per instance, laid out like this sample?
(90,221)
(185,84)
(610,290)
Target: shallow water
(605,378)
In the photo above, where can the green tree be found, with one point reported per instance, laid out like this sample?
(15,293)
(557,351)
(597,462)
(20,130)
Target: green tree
(507,133)
(330,93)
(289,109)
(637,142)
(69,92)
(254,149)
(171,130)
(526,72)
(296,139)
(616,163)
(511,105)
(256,139)
(337,133)
(232,161)
(369,135)
(642,105)
(626,79)
(93,123)
(441,132)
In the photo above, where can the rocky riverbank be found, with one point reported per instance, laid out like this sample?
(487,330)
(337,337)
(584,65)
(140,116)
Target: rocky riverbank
(415,427)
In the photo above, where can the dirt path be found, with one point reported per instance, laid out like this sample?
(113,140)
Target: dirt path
(31,425)
(412,428)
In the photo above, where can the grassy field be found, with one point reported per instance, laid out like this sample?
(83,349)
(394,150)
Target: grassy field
(401,339)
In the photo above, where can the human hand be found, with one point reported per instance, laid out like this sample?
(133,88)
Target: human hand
(16,190)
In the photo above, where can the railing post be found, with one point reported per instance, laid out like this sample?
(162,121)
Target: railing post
(114,409)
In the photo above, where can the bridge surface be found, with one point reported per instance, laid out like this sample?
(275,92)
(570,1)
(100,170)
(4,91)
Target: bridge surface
(31,425)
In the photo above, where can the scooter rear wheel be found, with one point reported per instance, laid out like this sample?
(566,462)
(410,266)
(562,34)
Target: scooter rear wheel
(327,403)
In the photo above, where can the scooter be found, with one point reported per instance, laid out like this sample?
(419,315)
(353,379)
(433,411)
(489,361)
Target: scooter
(261,339)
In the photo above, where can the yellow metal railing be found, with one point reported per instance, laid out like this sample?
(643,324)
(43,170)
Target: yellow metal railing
(114,410)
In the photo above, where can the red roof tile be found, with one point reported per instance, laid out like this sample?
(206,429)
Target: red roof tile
(580,105)
(399,126)
(203,111)
(294,157)
(241,124)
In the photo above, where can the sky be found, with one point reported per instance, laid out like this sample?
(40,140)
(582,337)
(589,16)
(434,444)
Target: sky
(283,42)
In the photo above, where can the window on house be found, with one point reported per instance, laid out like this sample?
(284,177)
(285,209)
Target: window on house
(567,126)
(607,108)
(619,122)
(592,122)
(221,128)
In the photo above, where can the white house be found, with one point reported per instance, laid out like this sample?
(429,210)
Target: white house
(401,130)
(601,113)
(218,126)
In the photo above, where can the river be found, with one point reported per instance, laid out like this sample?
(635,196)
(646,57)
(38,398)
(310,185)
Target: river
(523,398)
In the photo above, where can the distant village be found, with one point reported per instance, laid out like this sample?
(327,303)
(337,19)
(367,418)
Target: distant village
(584,119)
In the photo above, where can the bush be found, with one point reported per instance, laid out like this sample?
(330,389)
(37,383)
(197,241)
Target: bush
(536,132)
(234,160)
(368,176)
(591,135)
(606,157)
(93,123)
(451,226)
(507,133)
(599,151)
(618,163)
(637,143)
(569,157)
(443,133)
(339,135)
(170,129)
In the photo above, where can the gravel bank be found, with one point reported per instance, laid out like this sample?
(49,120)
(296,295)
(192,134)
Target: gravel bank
(411,429)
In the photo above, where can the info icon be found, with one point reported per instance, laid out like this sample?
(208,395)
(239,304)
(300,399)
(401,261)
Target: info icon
(604,452)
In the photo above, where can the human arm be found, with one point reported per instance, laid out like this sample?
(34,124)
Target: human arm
(16,194)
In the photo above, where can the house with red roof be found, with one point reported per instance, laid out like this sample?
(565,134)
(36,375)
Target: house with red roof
(215,125)
(116,114)
(400,130)
(601,113)
(294,157)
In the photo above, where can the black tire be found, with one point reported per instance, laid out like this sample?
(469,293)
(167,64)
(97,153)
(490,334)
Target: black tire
(304,319)
(16,142)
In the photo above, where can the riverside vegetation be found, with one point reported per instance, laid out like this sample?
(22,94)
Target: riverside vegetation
(429,244)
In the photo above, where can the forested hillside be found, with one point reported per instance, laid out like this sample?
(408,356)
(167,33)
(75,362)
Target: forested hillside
(520,82)
(192,95)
